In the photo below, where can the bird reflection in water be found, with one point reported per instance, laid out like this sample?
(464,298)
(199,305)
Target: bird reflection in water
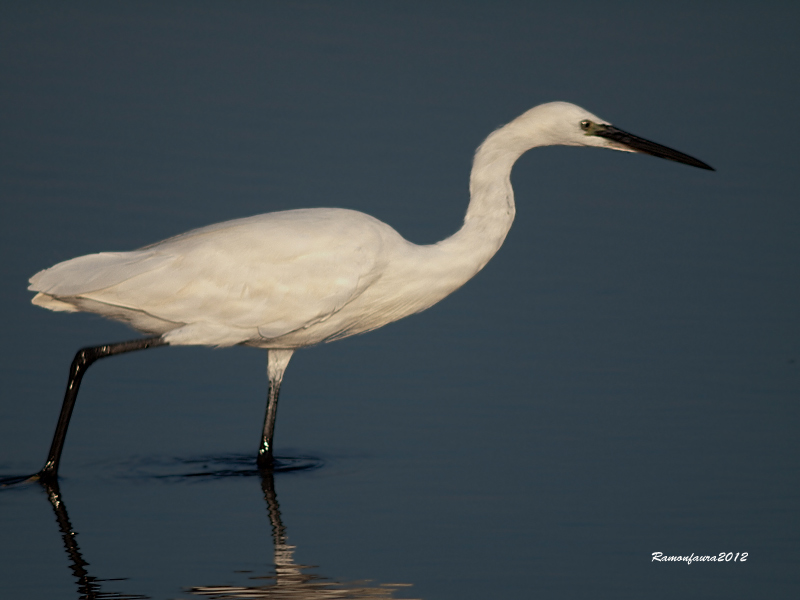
(88,586)
(293,581)
(290,581)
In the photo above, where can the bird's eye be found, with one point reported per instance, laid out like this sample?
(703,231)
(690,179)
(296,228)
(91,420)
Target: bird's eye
(586,124)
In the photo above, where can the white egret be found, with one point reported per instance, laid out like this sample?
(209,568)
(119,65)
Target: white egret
(292,279)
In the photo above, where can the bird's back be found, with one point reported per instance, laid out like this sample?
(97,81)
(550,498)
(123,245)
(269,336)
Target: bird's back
(246,280)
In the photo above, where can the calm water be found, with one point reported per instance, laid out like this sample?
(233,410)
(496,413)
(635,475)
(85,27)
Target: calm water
(623,378)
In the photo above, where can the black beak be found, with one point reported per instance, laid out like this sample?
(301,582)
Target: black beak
(640,145)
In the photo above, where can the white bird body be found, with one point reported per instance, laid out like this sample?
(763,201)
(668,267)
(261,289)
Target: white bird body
(287,280)
(300,277)
(280,280)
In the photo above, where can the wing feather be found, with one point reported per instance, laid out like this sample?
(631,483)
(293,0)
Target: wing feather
(264,276)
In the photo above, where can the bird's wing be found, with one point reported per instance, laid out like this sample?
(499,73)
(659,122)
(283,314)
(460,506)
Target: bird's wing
(94,272)
(264,276)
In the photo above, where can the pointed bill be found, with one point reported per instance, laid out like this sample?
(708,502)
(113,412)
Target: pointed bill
(637,144)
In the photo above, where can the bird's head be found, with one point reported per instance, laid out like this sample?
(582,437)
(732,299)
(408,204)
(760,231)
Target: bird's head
(565,124)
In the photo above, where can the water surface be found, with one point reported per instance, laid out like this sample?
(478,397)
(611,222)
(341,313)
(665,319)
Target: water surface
(621,379)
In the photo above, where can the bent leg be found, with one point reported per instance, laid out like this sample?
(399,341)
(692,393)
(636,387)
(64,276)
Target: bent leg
(82,361)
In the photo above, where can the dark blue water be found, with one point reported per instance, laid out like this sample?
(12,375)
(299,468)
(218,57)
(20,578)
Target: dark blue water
(622,379)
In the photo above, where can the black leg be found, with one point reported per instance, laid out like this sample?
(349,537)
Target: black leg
(264,459)
(276,366)
(83,359)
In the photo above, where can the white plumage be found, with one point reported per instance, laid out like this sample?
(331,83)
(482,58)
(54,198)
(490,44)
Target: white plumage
(291,279)
(301,277)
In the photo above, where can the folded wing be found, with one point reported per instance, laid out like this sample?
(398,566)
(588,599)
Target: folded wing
(260,277)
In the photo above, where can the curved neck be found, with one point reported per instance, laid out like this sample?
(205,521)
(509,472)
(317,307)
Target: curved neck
(491,208)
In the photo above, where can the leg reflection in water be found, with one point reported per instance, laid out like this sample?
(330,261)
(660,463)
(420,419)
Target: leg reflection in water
(289,581)
(88,586)
(292,580)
